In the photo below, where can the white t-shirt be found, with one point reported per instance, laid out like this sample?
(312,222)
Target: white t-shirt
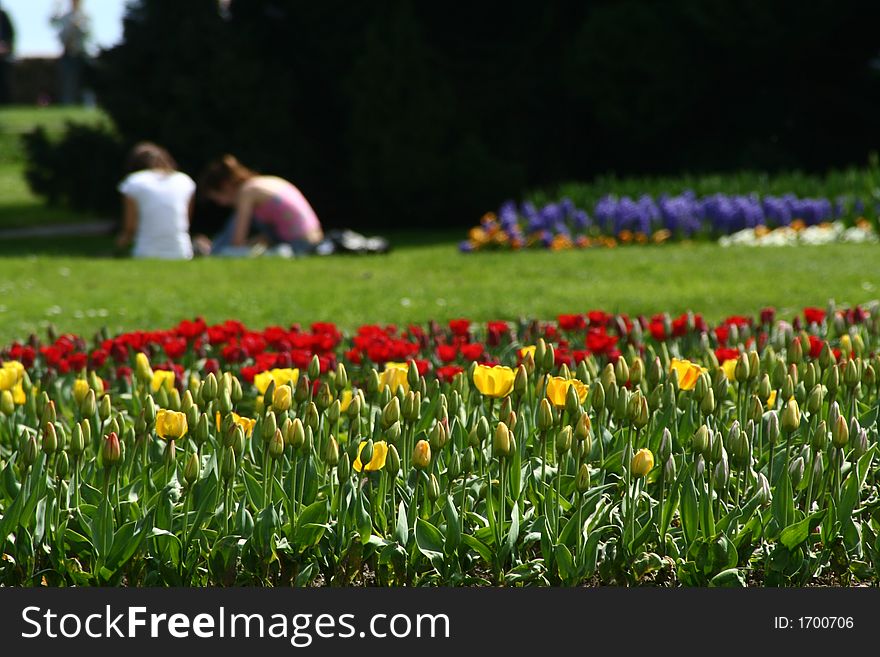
(163,200)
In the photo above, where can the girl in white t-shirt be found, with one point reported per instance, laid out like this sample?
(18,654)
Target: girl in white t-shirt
(157,205)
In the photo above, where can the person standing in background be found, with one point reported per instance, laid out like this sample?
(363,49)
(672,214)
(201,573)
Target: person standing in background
(74,32)
(7,48)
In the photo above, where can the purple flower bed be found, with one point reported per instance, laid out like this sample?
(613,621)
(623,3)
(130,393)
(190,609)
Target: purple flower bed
(624,219)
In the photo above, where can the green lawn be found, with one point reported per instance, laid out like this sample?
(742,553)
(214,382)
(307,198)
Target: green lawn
(18,206)
(416,283)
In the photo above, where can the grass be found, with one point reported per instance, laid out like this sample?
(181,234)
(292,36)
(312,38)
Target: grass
(418,282)
(18,205)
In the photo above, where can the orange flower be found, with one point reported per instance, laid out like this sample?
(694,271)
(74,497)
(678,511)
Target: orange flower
(688,373)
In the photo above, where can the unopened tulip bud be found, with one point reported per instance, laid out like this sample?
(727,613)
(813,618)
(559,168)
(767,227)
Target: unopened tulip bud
(501,441)
(655,371)
(869,376)
(582,482)
(702,386)
(583,372)
(741,371)
(441,413)
(621,406)
(637,371)
(598,400)
(546,417)
(700,440)
(31,449)
(642,415)
(270,424)
(549,358)
(421,457)
(191,469)
(669,469)
(754,364)
(314,367)
(312,417)
(391,413)
(851,374)
(764,389)
(50,440)
(238,440)
(840,433)
(227,469)
(791,417)
(433,488)
(621,371)
(584,427)
(699,466)
(796,471)
(716,447)
(854,427)
(331,452)
(142,368)
(707,406)
(392,462)
(572,401)
(341,379)
(860,444)
(665,450)
(366,453)
(77,441)
(412,374)
(722,473)
(655,398)
(467,461)
(563,440)
(795,352)
(111,451)
(62,466)
(642,463)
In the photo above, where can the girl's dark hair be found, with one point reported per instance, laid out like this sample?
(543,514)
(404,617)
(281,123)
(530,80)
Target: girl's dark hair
(147,155)
(223,171)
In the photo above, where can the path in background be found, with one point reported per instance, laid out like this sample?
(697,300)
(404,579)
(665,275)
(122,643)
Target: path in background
(89,229)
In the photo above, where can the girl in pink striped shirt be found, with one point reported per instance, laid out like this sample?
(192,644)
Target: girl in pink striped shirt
(274,205)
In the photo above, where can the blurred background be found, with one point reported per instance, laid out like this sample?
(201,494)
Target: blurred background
(399,113)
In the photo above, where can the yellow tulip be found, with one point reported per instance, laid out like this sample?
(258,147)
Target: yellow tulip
(688,373)
(557,389)
(729,367)
(527,350)
(380,453)
(162,379)
(18,394)
(394,377)
(280,376)
(11,374)
(494,381)
(642,463)
(345,400)
(282,398)
(170,425)
(246,423)
(80,390)
(421,457)
(771,400)
(142,367)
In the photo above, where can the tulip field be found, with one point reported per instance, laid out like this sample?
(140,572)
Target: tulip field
(584,449)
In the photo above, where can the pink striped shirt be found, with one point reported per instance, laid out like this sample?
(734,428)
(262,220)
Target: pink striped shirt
(288,214)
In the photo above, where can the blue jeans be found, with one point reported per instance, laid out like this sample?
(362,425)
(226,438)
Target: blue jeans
(222,244)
